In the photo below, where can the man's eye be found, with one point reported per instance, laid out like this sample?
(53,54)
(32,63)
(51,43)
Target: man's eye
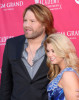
(24,20)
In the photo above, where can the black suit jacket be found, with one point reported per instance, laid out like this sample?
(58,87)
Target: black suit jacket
(16,83)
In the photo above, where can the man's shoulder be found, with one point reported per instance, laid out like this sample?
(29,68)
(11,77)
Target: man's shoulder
(16,39)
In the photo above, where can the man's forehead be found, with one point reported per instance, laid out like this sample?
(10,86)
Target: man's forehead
(29,14)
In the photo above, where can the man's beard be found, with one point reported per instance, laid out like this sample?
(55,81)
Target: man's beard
(34,34)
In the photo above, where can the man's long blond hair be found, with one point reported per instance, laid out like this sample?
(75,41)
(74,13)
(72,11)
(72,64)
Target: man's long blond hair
(43,15)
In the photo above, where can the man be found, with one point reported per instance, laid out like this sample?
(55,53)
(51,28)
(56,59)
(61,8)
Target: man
(24,70)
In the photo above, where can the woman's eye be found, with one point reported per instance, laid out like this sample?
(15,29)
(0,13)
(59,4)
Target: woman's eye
(24,20)
(52,50)
(32,21)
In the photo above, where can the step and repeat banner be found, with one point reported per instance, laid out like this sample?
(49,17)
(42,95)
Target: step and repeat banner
(65,12)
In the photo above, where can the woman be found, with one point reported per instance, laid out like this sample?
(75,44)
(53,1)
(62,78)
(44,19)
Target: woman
(63,66)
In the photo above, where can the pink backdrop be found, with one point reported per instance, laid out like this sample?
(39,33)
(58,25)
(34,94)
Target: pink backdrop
(65,12)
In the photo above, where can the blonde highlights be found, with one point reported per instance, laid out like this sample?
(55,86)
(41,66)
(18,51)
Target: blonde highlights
(64,48)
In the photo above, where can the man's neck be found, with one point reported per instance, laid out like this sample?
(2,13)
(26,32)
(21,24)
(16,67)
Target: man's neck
(33,46)
(37,41)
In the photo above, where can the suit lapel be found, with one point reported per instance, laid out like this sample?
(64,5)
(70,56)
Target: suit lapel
(42,71)
(20,47)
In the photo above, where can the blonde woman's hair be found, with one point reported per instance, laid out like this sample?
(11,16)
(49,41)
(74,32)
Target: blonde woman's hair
(63,47)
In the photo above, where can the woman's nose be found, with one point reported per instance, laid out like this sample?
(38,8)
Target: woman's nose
(50,54)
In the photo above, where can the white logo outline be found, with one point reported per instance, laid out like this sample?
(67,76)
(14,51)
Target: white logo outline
(77,1)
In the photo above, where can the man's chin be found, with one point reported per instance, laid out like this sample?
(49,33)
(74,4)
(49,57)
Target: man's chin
(29,37)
